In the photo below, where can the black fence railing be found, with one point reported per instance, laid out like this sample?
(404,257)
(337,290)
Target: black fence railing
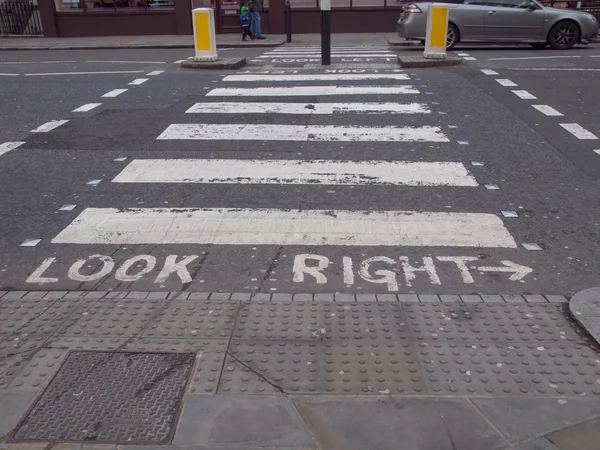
(20,17)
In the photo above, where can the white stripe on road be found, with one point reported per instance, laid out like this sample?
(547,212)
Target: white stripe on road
(35,62)
(597,152)
(49,126)
(532,57)
(462,54)
(8,146)
(308,108)
(524,95)
(87,107)
(130,62)
(547,110)
(154,73)
(235,226)
(333,49)
(114,93)
(469,58)
(138,81)
(578,131)
(227,132)
(319,77)
(236,171)
(489,72)
(310,91)
(333,55)
(9,74)
(333,52)
(555,68)
(79,73)
(505,82)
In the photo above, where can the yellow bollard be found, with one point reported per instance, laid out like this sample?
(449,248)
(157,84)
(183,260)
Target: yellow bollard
(437,29)
(205,41)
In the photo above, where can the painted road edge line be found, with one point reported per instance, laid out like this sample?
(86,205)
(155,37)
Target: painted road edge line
(243,171)
(578,131)
(489,72)
(239,226)
(304,133)
(506,82)
(524,95)
(87,107)
(8,146)
(114,93)
(49,126)
(308,108)
(547,110)
(80,73)
(138,81)
(154,73)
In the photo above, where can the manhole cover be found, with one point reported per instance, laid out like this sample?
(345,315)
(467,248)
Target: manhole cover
(114,397)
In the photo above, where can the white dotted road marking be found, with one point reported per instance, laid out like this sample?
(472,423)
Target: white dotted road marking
(505,82)
(578,131)
(114,93)
(130,62)
(524,95)
(463,54)
(547,110)
(35,62)
(46,74)
(8,146)
(154,73)
(555,68)
(597,152)
(87,107)
(532,57)
(489,72)
(469,58)
(138,81)
(49,126)
(9,74)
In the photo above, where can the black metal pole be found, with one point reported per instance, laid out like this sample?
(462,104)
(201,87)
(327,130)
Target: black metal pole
(325,38)
(288,21)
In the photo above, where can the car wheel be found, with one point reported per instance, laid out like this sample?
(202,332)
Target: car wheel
(451,37)
(563,35)
(539,46)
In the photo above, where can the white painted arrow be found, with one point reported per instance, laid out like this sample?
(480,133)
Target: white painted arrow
(519,270)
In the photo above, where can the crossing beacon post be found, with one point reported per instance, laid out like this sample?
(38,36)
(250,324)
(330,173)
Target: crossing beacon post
(437,29)
(205,41)
(325,32)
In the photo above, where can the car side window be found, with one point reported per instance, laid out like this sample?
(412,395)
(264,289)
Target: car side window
(520,4)
(475,2)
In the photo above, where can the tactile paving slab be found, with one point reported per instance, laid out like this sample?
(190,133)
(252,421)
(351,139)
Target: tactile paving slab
(116,397)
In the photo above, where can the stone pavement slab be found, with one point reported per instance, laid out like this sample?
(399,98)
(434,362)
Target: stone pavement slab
(520,419)
(585,307)
(12,406)
(241,421)
(585,436)
(394,423)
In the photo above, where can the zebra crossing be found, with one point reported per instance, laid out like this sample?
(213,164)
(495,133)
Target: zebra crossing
(214,119)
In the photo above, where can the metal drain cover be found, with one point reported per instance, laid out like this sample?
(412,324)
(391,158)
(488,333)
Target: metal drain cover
(114,397)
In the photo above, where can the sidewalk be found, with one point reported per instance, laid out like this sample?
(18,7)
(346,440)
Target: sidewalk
(324,371)
(174,41)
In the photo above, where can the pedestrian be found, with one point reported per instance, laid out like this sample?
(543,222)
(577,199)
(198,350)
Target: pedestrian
(245,21)
(256,7)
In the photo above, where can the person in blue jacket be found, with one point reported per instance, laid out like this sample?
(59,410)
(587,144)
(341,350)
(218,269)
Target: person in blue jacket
(245,21)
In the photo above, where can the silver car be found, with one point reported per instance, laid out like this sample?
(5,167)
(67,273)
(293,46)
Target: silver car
(506,21)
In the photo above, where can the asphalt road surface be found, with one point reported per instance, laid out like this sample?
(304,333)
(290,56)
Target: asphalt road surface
(135,174)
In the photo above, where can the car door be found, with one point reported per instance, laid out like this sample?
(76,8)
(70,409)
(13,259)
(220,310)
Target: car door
(513,20)
(469,17)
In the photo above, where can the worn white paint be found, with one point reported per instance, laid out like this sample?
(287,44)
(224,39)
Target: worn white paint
(383,276)
(249,132)
(244,171)
(75,274)
(333,55)
(87,107)
(35,62)
(506,82)
(462,54)
(9,74)
(8,146)
(138,81)
(597,152)
(154,73)
(518,271)
(547,110)
(533,57)
(308,108)
(238,226)
(578,131)
(48,74)
(318,77)
(489,72)
(462,266)
(301,268)
(318,48)
(295,91)
(49,126)
(469,58)
(571,69)
(122,273)
(37,276)
(428,268)
(114,93)
(347,267)
(524,95)
(129,62)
